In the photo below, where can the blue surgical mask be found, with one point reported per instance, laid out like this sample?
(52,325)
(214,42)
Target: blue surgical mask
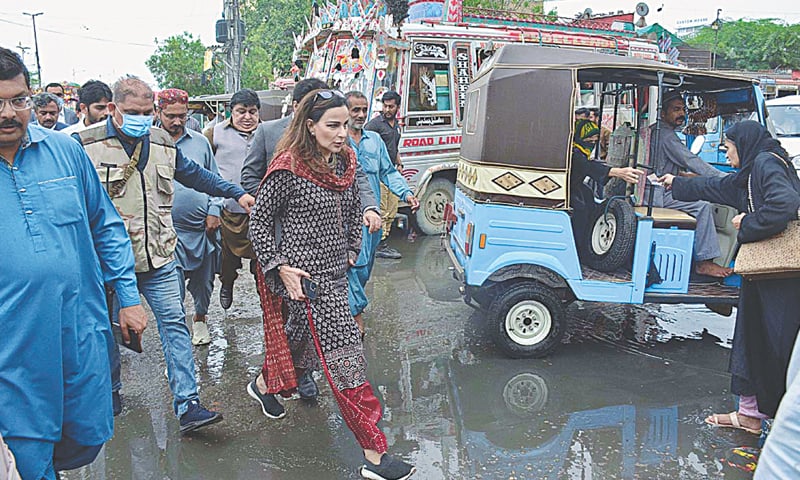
(136,126)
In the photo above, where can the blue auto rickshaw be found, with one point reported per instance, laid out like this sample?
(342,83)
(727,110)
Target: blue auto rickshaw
(509,232)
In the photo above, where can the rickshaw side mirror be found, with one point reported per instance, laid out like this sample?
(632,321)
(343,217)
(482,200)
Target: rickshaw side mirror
(697,144)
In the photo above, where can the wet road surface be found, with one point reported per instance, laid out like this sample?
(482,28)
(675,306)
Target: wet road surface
(624,397)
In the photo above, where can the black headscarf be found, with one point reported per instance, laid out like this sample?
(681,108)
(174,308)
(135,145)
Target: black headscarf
(751,139)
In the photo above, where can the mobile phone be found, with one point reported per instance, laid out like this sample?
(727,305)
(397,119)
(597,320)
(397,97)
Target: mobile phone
(135,343)
(309,288)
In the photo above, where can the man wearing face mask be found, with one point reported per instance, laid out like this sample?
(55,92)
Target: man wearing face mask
(231,140)
(138,162)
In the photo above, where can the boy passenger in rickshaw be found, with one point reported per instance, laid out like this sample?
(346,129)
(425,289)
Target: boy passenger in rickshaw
(581,197)
(669,155)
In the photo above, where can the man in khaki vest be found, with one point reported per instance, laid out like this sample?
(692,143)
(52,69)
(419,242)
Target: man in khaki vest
(138,162)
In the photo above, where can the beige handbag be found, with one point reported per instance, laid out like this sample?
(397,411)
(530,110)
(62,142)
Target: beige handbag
(775,257)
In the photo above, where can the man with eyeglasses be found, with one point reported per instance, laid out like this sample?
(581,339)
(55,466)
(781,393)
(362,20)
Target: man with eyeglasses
(231,140)
(46,107)
(66,115)
(63,238)
(196,215)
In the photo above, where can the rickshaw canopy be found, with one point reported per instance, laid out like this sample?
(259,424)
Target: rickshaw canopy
(520,109)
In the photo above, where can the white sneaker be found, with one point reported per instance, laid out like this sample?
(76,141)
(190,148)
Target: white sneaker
(200,335)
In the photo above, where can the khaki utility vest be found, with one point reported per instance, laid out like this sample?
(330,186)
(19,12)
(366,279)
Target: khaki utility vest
(145,200)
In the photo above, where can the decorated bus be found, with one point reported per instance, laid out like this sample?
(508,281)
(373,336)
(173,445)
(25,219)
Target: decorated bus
(430,60)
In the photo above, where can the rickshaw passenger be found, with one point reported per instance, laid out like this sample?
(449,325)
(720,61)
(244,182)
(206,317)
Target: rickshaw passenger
(670,156)
(581,196)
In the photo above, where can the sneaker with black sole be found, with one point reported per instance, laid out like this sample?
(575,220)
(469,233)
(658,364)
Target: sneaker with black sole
(116,403)
(307,387)
(385,251)
(390,468)
(197,416)
(270,405)
(226,296)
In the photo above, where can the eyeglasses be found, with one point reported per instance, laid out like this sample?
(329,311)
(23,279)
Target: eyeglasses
(17,103)
(328,94)
(60,95)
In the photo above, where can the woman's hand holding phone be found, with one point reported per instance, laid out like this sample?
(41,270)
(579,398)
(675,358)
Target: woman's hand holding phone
(291,278)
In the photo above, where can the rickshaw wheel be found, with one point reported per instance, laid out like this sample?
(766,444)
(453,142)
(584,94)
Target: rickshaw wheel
(612,237)
(525,394)
(430,217)
(528,320)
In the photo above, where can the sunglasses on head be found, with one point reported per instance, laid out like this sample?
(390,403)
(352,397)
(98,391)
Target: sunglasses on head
(328,94)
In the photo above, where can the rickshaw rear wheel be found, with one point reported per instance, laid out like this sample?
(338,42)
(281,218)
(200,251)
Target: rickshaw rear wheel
(612,238)
(430,216)
(527,320)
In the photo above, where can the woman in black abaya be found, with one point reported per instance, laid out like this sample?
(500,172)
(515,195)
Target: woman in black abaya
(766,192)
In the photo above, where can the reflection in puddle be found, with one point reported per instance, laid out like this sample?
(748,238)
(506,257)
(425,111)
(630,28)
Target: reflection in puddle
(452,405)
(647,324)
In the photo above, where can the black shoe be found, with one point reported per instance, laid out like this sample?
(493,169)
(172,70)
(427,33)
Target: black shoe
(226,296)
(307,387)
(198,416)
(270,405)
(116,402)
(390,468)
(385,251)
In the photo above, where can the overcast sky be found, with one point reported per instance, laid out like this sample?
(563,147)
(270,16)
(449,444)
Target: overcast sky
(83,39)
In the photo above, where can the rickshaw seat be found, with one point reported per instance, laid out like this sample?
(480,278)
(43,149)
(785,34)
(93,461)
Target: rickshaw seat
(668,218)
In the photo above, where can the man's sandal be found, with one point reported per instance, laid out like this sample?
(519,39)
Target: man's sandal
(734,418)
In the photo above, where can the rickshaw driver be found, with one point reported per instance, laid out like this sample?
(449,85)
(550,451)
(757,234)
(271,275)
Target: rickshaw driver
(581,196)
(670,155)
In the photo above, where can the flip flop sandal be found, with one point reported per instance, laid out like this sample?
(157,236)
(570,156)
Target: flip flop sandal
(734,418)
(744,459)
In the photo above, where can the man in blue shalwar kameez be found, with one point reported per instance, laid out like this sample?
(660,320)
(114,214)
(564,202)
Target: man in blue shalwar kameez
(62,238)
(379,168)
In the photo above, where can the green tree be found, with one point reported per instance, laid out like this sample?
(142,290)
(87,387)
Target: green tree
(527,6)
(178,63)
(269,41)
(752,44)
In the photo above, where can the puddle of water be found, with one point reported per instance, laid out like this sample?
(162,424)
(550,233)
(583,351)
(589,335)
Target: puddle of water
(628,407)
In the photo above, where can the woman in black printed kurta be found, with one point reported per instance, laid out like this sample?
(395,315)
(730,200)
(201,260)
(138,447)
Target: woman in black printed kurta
(307,223)
(765,190)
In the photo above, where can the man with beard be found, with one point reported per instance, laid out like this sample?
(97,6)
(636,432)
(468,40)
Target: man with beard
(230,141)
(387,126)
(138,162)
(669,155)
(46,106)
(62,239)
(94,97)
(374,159)
(194,214)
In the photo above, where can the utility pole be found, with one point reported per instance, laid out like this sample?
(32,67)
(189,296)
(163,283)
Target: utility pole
(233,47)
(23,50)
(36,46)
(715,26)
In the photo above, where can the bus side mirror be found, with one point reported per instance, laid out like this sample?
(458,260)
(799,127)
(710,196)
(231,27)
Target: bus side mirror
(697,144)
